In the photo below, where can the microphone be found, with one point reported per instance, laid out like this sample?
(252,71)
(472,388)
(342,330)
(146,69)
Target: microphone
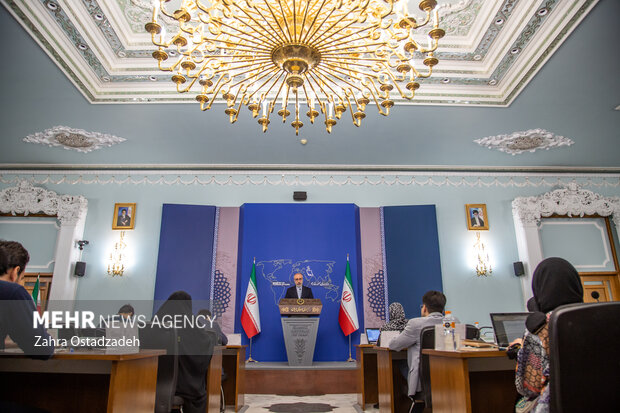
(595,295)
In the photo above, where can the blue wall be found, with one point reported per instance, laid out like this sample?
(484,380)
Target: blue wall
(185,251)
(412,255)
(313,239)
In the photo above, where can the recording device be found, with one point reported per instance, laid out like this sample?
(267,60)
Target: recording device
(595,295)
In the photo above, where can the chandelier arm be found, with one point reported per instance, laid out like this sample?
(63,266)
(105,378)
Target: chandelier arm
(264,30)
(395,82)
(303,22)
(281,31)
(331,70)
(294,23)
(354,47)
(260,70)
(374,97)
(334,61)
(275,99)
(327,81)
(218,85)
(318,40)
(321,104)
(227,66)
(267,81)
(316,29)
(356,122)
(363,29)
(162,9)
(275,19)
(316,15)
(259,41)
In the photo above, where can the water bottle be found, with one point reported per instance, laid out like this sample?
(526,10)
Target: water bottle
(449,342)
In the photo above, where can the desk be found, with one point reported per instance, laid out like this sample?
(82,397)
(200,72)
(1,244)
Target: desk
(469,381)
(233,363)
(214,381)
(392,385)
(367,384)
(88,380)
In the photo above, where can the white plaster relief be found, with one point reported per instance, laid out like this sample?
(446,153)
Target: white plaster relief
(74,139)
(524,141)
(27,199)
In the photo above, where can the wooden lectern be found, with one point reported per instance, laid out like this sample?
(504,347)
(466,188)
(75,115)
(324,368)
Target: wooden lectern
(300,328)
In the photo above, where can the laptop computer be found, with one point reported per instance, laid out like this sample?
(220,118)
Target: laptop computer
(507,327)
(373,335)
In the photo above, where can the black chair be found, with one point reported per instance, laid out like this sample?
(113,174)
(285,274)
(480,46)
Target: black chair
(167,367)
(427,340)
(584,364)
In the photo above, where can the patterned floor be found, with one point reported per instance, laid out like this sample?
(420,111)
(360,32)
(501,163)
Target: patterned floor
(337,403)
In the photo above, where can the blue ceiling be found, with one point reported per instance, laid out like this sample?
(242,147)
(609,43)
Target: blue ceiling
(573,95)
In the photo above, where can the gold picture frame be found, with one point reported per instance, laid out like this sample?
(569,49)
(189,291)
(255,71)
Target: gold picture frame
(124,217)
(477,218)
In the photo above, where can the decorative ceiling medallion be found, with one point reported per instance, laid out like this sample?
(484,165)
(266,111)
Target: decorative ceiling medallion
(75,139)
(524,141)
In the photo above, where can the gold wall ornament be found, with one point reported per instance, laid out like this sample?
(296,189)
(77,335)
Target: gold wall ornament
(116,262)
(331,55)
(483,262)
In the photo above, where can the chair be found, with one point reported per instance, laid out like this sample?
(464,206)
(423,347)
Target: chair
(167,367)
(584,363)
(427,340)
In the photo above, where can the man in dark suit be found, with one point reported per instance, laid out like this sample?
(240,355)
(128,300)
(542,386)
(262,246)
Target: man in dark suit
(476,220)
(299,290)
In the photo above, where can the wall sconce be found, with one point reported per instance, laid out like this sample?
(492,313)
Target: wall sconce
(116,263)
(483,263)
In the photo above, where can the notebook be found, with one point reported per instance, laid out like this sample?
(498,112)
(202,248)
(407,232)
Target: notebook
(373,335)
(508,326)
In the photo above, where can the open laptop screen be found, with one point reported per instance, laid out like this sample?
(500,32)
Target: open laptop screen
(508,326)
(373,335)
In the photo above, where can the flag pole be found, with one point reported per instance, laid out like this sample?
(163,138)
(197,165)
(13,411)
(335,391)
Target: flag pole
(350,358)
(250,359)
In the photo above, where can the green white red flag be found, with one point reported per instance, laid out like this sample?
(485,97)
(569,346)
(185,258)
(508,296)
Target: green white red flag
(250,316)
(348,311)
(36,295)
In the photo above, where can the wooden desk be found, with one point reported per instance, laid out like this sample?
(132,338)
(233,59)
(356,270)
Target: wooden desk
(214,381)
(367,379)
(88,380)
(233,363)
(391,383)
(469,381)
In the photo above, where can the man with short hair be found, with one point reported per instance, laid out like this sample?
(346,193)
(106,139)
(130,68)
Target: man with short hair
(16,305)
(126,311)
(299,290)
(433,304)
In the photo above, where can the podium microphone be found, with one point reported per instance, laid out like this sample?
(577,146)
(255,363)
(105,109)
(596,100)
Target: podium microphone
(595,295)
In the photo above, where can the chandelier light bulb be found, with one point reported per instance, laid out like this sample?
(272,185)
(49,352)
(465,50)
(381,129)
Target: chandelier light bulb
(340,54)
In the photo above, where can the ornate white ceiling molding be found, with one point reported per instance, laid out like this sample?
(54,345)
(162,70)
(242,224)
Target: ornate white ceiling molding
(524,141)
(27,199)
(492,49)
(74,139)
(571,201)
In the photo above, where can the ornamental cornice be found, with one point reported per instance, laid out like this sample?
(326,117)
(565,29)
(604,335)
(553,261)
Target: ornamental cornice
(28,199)
(570,200)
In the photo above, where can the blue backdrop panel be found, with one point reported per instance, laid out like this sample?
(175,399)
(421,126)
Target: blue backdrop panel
(185,251)
(313,239)
(412,254)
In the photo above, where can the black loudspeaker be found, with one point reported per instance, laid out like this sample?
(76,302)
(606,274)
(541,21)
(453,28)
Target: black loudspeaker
(519,270)
(80,268)
(300,196)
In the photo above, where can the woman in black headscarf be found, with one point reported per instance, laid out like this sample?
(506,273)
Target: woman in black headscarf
(397,322)
(555,283)
(195,350)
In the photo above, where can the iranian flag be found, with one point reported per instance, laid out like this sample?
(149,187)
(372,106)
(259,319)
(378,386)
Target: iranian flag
(36,295)
(348,312)
(250,317)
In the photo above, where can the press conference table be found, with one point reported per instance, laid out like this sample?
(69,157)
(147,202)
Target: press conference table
(87,380)
(476,380)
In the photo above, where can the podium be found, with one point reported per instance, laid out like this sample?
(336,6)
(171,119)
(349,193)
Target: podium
(300,323)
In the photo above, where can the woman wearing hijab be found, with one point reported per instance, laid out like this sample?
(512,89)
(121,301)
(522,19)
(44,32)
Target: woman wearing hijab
(555,283)
(195,350)
(397,322)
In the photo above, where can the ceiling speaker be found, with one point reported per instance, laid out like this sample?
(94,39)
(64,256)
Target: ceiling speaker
(300,196)
(519,269)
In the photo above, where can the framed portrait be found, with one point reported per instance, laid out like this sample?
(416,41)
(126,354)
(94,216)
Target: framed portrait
(477,219)
(124,216)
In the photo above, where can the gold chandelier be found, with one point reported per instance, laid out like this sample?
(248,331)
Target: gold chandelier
(272,55)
